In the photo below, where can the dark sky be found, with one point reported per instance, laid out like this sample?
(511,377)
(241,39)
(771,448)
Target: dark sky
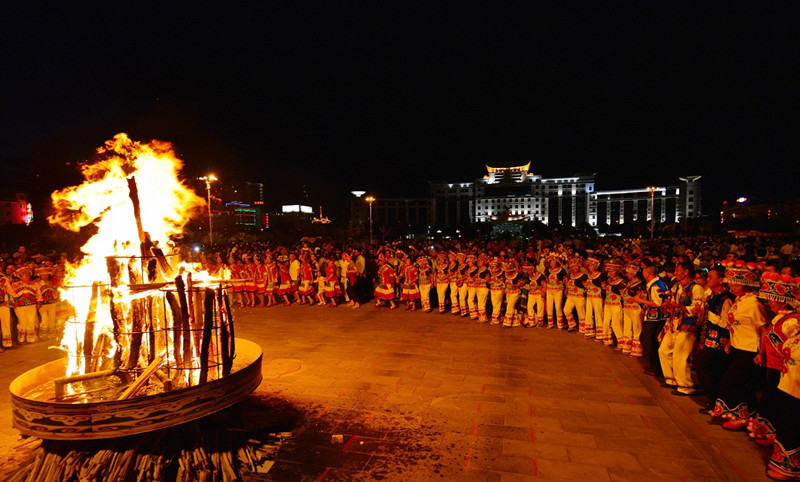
(386,96)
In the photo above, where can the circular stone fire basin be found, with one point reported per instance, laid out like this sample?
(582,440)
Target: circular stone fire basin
(118,418)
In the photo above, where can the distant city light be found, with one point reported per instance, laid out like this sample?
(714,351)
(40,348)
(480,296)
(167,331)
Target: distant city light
(296,208)
(741,200)
(358,193)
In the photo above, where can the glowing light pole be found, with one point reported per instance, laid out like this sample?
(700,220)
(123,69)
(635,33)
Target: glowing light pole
(370,200)
(208,179)
(652,211)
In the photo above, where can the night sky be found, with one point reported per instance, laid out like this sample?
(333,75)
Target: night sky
(385,96)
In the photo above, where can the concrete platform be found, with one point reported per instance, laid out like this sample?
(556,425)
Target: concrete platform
(395,395)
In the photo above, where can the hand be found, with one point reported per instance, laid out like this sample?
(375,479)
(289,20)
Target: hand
(758,359)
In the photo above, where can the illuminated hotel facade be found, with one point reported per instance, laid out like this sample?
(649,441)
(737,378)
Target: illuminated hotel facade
(513,195)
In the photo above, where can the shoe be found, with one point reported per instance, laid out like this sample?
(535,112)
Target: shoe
(775,475)
(734,424)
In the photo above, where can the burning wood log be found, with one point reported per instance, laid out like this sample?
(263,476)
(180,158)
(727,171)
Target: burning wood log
(230,324)
(151,331)
(133,192)
(177,323)
(224,336)
(208,325)
(116,320)
(185,327)
(60,383)
(91,317)
(140,382)
(138,314)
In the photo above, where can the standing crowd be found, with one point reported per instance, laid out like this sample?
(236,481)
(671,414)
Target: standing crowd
(708,320)
(724,327)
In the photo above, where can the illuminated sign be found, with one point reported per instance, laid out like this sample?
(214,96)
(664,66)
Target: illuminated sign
(296,208)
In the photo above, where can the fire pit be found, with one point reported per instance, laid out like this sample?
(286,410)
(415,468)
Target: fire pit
(151,340)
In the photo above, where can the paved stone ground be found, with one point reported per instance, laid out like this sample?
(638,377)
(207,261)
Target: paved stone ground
(418,396)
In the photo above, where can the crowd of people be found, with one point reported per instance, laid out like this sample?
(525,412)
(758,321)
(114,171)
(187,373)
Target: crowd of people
(709,319)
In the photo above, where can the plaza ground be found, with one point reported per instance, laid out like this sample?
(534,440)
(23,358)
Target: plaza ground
(373,394)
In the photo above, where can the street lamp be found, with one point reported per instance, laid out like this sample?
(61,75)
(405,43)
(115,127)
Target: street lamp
(370,200)
(208,179)
(652,211)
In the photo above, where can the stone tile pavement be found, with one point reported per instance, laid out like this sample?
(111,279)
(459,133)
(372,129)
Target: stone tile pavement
(394,395)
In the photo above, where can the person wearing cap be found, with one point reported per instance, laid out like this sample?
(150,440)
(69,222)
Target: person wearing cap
(784,464)
(48,291)
(5,313)
(462,281)
(497,287)
(386,280)
(472,286)
(332,288)
(777,291)
(713,359)
(513,283)
(535,307)
(307,280)
(747,318)
(593,318)
(481,282)
(612,305)
(409,276)
(442,281)
(655,316)
(26,296)
(270,279)
(555,292)
(687,305)
(632,312)
(576,298)
(425,282)
(456,279)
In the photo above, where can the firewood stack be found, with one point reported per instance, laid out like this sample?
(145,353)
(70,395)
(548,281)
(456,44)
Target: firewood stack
(216,448)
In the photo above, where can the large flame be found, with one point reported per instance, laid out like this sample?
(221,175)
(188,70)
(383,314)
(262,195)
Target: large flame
(104,200)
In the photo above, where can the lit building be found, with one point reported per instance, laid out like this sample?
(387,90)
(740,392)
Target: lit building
(513,194)
(15,208)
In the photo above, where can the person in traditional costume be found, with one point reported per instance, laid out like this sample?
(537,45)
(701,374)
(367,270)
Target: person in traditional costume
(284,289)
(777,291)
(497,286)
(425,282)
(593,322)
(632,312)
(332,288)
(26,296)
(576,298)
(714,357)
(49,296)
(442,281)
(456,280)
(555,292)
(784,464)
(612,306)
(687,307)
(513,282)
(472,286)
(655,317)
(307,280)
(384,292)
(537,286)
(270,279)
(747,319)
(481,282)
(410,277)
(5,312)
